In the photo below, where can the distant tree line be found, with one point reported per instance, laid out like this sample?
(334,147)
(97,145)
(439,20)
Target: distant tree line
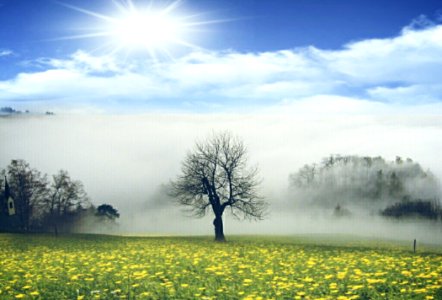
(416,208)
(7,110)
(58,204)
(399,188)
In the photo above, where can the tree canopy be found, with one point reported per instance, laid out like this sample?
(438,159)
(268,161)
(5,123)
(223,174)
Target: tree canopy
(214,177)
(107,211)
(363,180)
(60,204)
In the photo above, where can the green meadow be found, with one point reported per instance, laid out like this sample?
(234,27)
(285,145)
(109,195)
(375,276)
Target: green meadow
(244,267)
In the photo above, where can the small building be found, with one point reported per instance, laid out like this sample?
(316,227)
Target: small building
(8,213)
(10,204)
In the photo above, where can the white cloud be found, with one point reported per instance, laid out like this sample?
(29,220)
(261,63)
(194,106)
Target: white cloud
(6,52)
(403,69)
(413,57)
(421,93)
(86,63)
(422,21)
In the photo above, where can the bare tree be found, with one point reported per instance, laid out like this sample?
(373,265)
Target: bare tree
(28,188)
(215,177)
(66,196)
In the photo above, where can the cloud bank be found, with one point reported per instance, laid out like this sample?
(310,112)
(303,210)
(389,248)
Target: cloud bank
(124,159)
(404,69)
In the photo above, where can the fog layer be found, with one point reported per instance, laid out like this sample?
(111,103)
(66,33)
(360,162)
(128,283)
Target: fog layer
(124,160)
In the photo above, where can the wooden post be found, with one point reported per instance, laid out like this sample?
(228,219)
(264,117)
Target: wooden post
(414,246)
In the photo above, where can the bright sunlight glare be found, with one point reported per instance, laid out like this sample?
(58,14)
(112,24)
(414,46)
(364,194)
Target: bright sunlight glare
(150,30)
(155,29)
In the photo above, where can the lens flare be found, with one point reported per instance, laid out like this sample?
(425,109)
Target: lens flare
(156,29)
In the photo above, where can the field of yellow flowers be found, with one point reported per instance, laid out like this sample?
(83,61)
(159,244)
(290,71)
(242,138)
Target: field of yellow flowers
(109,267)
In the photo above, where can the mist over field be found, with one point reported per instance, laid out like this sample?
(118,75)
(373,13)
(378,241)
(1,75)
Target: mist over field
(126,161)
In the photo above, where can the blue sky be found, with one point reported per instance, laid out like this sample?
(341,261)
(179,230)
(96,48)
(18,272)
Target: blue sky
(252,54)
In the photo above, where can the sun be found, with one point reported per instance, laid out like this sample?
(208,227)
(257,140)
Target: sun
(154,28)
(148,30)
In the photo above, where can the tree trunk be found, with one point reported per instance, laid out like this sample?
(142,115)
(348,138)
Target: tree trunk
(219,230)
(56,230)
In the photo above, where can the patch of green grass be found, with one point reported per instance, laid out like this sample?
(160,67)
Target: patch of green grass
(246,267)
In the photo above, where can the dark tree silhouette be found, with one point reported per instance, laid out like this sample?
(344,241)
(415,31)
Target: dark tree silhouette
(108,211)
(29,189)
(39,205)
(418,208)
(66,197)
(215,177)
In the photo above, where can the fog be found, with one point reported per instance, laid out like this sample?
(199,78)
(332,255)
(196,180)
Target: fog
(125,160)
(365,185)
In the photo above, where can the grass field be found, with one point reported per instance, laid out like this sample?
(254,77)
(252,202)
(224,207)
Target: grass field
(109,267)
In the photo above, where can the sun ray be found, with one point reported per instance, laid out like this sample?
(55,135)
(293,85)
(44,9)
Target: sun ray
(189,45)
(121,8)
(171,7)
(88,12)
(154,29)
(131,5)
(81,36)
